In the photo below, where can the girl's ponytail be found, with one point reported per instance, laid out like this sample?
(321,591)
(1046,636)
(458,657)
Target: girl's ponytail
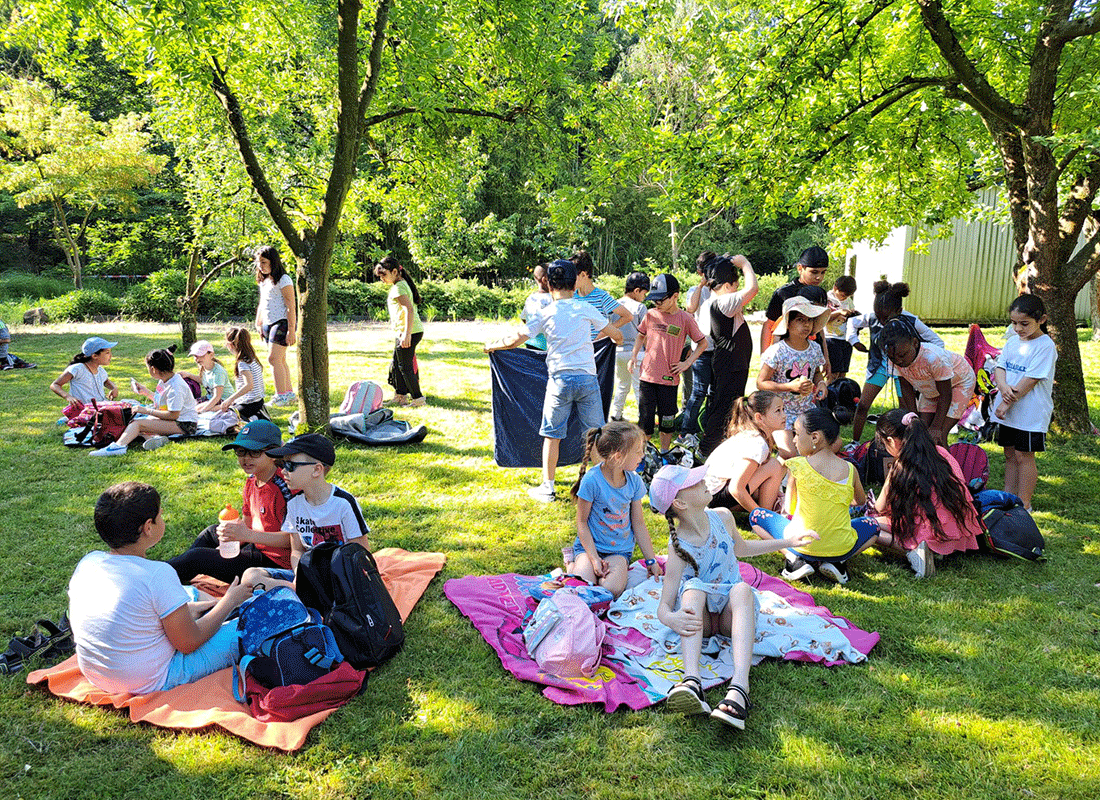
(674,540)
(590,440)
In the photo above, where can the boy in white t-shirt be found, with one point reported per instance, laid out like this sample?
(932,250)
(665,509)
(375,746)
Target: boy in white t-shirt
(637,286)
(135,626)
(320,513)
(842,307)
(570,326)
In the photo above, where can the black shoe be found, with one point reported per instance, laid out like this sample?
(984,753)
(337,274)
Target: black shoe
(796,569)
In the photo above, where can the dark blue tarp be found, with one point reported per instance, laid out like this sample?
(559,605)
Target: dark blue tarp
(519,386)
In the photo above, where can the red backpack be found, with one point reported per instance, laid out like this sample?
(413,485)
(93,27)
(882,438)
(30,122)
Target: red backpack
(973,462)
(100,424)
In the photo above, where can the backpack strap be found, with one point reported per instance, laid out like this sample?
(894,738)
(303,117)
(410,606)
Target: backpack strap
(238,678)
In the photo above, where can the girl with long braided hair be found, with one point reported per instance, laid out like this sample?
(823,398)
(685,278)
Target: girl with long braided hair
(703,593)
(609,507)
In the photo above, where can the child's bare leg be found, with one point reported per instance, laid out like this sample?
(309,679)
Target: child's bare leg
(583,568)
(1027,475)
(549,459)
(615,579)
(691,646)
(740,617)
(767,481)
(666,440)
(258,576)
(866,400)
(1012,471)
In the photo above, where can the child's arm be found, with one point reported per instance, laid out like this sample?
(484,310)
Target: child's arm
(860,494)
(639,345)
(855,324)
(142,389)
(739,482)
(943,402)
(297,550)
(215,399)
(612,332)
(584,533)
(112,389)
(685,365)
(641,535)
(187,634)
(244,390)
(752,285)
(820,386)
(292,313)
(683,622)
(58,386)
(624,316)
(755,547)
(764,380)
(509,341)
(237,531)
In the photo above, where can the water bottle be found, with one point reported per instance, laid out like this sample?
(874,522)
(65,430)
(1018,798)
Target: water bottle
(229,549)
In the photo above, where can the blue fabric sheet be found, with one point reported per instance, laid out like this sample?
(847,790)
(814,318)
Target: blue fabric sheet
(519,386)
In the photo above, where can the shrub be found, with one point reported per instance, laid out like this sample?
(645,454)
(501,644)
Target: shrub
(233,296)
(82,305)
(24,285)
(351,298)
(157,299)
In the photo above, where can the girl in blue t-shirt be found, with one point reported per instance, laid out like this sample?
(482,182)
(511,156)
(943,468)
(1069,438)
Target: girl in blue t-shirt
(609,508)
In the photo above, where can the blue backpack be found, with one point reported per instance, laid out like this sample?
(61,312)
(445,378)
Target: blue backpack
(280,642)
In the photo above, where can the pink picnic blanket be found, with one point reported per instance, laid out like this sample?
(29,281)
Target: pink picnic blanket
(209,701)
(641,658)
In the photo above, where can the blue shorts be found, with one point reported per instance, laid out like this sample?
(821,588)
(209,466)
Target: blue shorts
(275,333)
(562,393)
(775,524)
(578,548)
(218,652)
(880,376)
(279,574)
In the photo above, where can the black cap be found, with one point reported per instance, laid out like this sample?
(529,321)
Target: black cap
(664,285)
(313,445)
(814,258)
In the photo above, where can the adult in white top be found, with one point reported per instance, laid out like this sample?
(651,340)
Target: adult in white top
(86,376)
(276,319)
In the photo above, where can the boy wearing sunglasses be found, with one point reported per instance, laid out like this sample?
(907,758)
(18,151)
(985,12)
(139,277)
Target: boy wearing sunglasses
(320,513)
(259,529)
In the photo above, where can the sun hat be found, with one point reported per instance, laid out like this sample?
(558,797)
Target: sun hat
(313,445)
(94,344)
(201,348)
(669,480)
(819,314)
(662,286)
(260,434)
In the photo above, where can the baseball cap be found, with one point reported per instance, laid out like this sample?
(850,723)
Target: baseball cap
(94,344)
(814,257)
(201,348)
(662,286)
(668,481)
(260,434)
(313,445)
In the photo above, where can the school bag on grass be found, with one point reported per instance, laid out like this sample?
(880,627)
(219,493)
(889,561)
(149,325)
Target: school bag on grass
(973,462)
(100,424)
(564,637)
(869,460)
(344,581)
(281,642)
(288,703)
(1008,528)
(362,397)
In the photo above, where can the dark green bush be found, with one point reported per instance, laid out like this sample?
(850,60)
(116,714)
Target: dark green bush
(233,296)
(16,285)
(157,298)
(81,305)
(351,298)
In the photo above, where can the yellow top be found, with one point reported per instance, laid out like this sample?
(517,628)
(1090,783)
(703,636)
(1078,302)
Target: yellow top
(819,504)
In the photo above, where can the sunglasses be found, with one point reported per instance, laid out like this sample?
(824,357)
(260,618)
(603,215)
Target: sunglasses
(290,466)
(241,453)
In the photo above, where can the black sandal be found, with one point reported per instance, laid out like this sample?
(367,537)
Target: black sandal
(686,697)
(53,640)
(730,710)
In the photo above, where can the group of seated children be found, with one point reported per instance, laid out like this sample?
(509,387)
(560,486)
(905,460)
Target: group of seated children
(138,628)
(173,409)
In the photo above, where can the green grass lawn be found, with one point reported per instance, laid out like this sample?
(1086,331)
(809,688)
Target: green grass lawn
(986,682)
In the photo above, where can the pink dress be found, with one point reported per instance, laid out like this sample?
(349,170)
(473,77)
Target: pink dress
(959,537)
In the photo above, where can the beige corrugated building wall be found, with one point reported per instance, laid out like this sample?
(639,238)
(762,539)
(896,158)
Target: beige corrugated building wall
(964,278)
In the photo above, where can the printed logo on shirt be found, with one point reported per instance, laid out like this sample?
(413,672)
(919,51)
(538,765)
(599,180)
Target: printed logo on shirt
(312,535)
(675,330)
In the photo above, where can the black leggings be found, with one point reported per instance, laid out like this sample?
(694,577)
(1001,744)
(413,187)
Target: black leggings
(404,372)
(204,559)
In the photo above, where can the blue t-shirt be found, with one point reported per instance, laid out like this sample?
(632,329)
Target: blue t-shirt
(609,519)
(602,302)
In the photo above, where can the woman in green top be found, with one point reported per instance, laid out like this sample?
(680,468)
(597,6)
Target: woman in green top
(402,301)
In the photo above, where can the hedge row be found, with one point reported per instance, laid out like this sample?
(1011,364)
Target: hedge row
(156,299)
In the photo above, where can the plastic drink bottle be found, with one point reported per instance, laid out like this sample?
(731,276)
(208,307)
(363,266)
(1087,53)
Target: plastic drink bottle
(229,549)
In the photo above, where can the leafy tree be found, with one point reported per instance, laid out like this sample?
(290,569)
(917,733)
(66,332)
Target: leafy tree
(58,155)
(880,112)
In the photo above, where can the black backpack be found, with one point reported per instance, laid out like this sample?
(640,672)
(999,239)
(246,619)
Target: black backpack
(343,581)
(842,399)
(1009,529)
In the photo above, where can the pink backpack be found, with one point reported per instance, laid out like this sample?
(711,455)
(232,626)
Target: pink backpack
(973,462)
(564,636)
(362,397)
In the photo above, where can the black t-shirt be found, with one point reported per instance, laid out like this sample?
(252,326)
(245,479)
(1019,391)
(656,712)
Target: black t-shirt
(815,294)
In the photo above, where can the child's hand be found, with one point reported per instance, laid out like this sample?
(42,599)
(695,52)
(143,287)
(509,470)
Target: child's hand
(599,566)
(238,592)
(232,531)
(113,394)
(801,539)
(860,346)
(655,569)
(802,387)
(685,622)
(821,390)
(630,365)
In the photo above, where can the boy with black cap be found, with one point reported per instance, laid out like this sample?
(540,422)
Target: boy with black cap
(633,300)
(811,266)
(662,335)
(263,509)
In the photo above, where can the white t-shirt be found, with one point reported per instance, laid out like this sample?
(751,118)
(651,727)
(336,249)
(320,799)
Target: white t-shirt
(175,395)
(86,385)
(570,326)
(837,330)
(272,302)
(702,311)
(1033,358)
(116,604)
(630,330)
(724,461)
(256,369)
(338,519)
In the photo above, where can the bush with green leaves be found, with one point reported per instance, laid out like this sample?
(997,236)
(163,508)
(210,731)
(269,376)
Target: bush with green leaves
(156,299)
(351,298)
(230,297)
(82,305)
(31,287)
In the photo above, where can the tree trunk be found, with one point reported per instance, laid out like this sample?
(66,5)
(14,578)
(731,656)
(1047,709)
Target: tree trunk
(675,243)
(1094,290)
(312,333)
(65,239)
(1071,410)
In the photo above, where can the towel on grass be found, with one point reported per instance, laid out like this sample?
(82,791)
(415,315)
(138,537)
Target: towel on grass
(641,656)
(210,701)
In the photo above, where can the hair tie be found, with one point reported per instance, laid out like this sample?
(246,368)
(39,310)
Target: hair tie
(909,419)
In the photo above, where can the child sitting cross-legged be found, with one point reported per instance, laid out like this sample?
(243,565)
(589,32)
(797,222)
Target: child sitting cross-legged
(135,627)
(321,513)
(263,542)
(703,593)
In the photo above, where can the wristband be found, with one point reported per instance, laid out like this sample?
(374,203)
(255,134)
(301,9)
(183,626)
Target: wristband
(649,562)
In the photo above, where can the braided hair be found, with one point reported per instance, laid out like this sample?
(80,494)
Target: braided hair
(674,540)
(614,437)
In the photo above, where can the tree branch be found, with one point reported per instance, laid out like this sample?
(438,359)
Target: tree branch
(256,175)
(374,60)
(1075,211)
(214,271)
(1072,29)
(1051,187)
(506,116)
(986,99)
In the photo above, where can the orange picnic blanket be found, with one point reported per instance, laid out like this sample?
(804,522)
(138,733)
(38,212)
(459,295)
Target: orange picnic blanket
(210,701)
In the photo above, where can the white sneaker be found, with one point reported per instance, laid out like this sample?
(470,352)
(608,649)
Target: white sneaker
(153,442)
(544,492)
(689,440)
(921,560)
(831,571)
(283,400)
(112,449)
